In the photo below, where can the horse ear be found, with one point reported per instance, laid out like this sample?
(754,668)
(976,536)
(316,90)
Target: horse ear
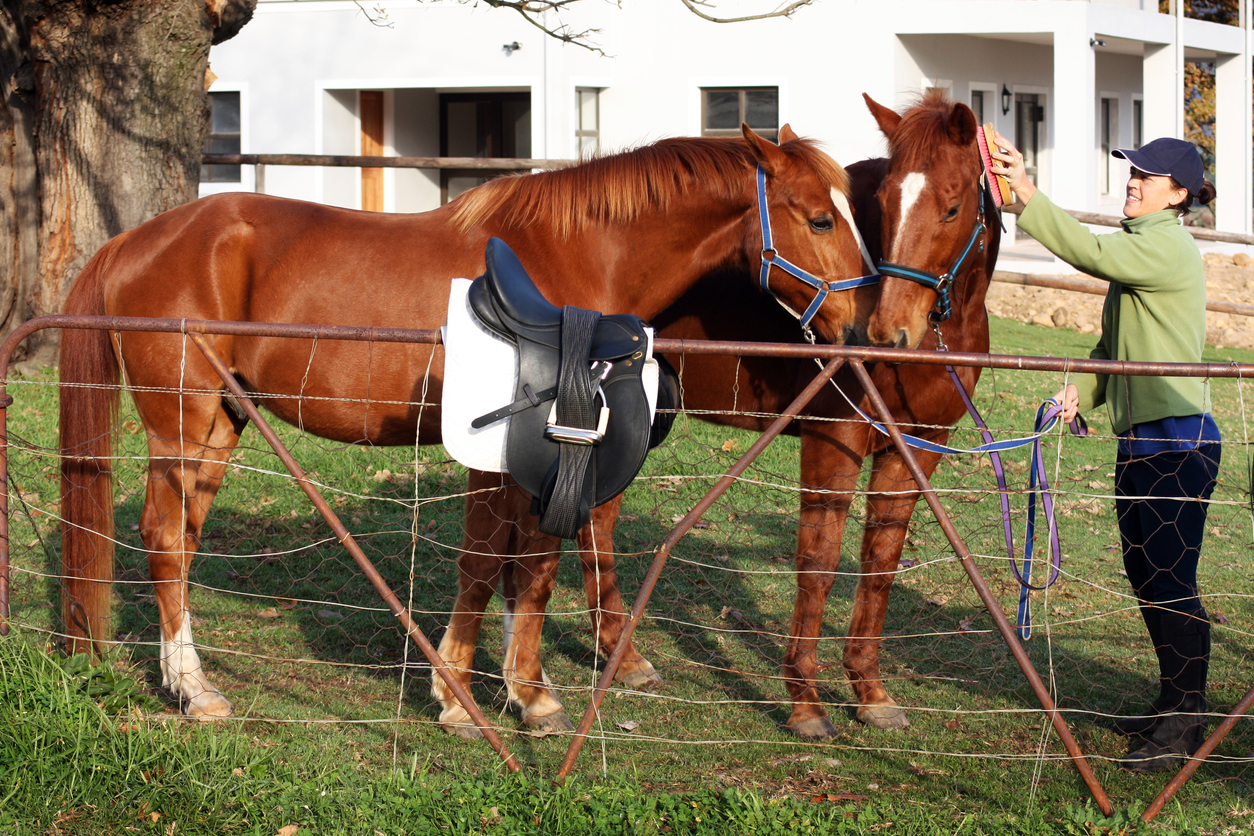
(962,124)
(786,134)
(767,153)
(886,118)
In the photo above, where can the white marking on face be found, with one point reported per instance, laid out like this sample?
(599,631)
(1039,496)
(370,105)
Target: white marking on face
(842,206)
(911,187)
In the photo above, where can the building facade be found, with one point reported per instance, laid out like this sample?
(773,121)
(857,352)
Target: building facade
(1066,79)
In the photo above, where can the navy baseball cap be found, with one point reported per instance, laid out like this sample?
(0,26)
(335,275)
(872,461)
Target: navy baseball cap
(1168,156)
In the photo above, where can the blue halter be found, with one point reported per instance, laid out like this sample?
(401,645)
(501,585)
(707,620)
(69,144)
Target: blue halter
(941,283)
(770,259)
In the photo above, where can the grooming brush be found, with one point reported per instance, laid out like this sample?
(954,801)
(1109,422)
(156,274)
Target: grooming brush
(999,186)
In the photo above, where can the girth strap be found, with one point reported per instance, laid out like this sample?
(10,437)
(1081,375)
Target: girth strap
(575,408)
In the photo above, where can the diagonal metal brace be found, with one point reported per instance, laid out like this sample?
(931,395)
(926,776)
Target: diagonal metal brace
(981,588)
(363,562)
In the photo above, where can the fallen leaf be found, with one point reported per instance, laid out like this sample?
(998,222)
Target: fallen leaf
(965,624)
(839,796)
(268,612)
(628,725)
(287,830)
(329,615)
(1096,485)
(286,603)
(1220,618)
(730,444)
(938,600)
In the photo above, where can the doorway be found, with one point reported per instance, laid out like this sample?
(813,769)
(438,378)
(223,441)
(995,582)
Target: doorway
(481,125)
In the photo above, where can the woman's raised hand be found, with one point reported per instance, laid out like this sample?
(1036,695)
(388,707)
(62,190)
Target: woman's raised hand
(1009,164)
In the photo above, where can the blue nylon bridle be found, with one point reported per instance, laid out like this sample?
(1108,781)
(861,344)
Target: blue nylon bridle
(770,259)
(941,283)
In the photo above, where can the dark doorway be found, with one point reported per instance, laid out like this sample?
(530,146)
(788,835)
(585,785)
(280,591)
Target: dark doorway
(481,125)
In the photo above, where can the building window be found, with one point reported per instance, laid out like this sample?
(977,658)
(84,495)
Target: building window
(224,137)
(587,121)
(724,108)
(977,106)
(1109,127)
(1138,122)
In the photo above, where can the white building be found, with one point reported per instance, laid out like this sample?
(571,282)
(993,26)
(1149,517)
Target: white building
(1067,79)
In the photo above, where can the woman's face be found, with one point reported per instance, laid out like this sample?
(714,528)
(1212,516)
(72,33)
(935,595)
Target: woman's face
(1148,193)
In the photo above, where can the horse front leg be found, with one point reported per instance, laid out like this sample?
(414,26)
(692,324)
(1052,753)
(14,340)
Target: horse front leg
(180,492)
(485,544)
(605,602)
(823,517)
(891,497)
(529,586)
(830,462)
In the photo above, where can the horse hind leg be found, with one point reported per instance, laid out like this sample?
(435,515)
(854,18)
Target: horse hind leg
(184,476)
(605,602)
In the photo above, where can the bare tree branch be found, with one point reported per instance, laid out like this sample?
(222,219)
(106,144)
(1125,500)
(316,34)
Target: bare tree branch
(784,10)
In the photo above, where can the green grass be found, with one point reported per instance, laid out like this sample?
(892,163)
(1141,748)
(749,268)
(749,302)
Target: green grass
(330,699)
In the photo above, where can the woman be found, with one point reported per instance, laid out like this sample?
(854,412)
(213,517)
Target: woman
(1169,449)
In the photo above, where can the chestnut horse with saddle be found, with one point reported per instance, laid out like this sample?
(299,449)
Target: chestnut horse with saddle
(934,232)
(627,233)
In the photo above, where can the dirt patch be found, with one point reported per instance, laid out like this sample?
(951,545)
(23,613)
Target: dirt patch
(1228,279)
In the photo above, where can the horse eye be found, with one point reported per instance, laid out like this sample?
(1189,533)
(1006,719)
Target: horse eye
(823,223)
(951,214)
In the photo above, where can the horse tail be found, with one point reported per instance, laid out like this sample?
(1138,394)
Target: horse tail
(89,410)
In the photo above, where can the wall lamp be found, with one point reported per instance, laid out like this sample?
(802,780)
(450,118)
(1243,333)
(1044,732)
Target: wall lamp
(510,48)
(1097,42)
(1005,100)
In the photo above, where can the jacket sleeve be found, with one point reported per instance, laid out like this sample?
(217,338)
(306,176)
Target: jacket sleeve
(1143,261)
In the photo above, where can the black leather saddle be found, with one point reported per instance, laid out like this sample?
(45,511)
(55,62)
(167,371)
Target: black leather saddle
(580,426)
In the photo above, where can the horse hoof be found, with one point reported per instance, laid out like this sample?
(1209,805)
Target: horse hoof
(644,678)
(887,717)
(208,707)
(549,723)
(466,731)
(815,728)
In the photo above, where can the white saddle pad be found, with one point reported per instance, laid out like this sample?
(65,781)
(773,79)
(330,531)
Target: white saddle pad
(481,376)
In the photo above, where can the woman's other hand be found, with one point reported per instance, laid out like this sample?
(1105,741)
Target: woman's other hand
(1068,398)
(1009,164)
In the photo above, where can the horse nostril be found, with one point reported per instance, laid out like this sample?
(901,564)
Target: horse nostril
(903,338)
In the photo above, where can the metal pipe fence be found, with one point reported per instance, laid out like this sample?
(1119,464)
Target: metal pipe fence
(737,624)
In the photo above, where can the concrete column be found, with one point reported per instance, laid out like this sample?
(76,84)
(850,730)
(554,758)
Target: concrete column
(1232,143)
(1073,169)
(1163,91)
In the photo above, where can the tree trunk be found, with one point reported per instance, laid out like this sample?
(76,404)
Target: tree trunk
(103,115)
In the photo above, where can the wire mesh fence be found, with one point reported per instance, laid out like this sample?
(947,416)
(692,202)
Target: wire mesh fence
(292,634)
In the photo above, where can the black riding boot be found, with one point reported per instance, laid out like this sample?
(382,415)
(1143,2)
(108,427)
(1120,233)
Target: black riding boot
(1167,699)
(1181,729)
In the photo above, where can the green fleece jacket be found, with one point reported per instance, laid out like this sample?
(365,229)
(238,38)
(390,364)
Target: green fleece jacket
(1155,309)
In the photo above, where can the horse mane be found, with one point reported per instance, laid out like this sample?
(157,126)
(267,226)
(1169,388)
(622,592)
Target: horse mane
(924,127)
(618,188)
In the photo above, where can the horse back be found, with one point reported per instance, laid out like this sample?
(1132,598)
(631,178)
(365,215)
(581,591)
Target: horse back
(256,258)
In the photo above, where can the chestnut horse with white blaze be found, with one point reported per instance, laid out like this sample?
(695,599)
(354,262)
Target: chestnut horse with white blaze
(627,233)
(922,209)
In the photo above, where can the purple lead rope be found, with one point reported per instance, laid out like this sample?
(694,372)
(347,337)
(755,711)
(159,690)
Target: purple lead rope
(1046,416)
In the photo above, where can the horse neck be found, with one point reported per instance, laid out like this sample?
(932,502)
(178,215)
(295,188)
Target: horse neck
(646,266)
(971,290)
